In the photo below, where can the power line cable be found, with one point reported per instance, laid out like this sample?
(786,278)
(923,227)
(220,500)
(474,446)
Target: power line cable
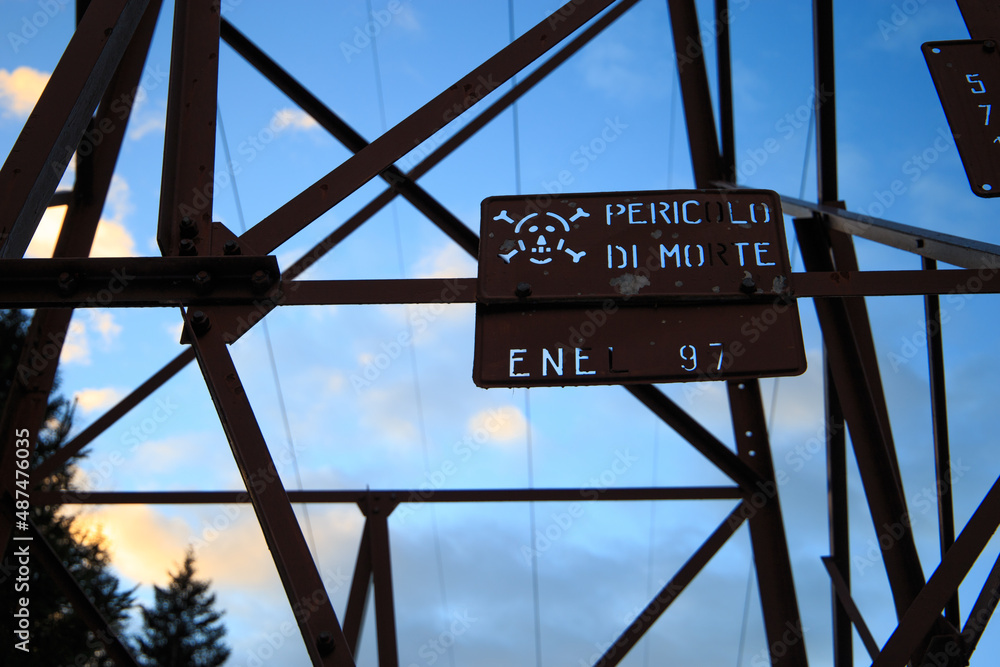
(535,596)
(414,366)
(290,441)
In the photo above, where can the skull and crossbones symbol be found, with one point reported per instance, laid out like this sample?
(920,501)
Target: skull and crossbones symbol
(542,248)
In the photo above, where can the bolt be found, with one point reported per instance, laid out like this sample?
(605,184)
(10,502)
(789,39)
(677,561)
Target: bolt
(189,228)
(324,643)
(231,247)
(522,290)
(200,323)
(188,248)
(67,283)
(748,286)
(202,281)
(989,46)
(260,280)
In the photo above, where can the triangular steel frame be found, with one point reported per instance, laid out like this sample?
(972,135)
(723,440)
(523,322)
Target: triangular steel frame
(103,62)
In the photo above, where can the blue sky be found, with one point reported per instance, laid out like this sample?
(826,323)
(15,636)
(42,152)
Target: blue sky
(366,411)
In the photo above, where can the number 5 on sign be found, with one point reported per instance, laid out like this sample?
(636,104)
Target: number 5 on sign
(972,78)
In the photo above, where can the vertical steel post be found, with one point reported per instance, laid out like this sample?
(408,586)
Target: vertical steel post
(725,69)
(939,419)
(782,623)
(189,138)
(837,507)
(770,545)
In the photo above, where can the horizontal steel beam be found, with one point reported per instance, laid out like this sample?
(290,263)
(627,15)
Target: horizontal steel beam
(955,250)
(398,495)
(146,282)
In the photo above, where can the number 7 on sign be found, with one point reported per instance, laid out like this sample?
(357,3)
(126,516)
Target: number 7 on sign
(987,107)
(718,345)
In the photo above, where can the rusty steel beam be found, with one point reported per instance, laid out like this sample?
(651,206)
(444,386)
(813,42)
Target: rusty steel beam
(845,258)
(839,561)
(947,248)
(460,137)
(842,589)
(27,401)
(331,189)
(673,588)
(378,510)
(350,138)
(825,107)
(357,598)
(698,111)
(40,155)
(699,437)
(724,67)
(116,412)
(423,167)
(415,496)
(321,631)
(886,283)
(925,611)
(168,282)
(982,610)
(848,345)
(939,421)
(767,530)
(187,185)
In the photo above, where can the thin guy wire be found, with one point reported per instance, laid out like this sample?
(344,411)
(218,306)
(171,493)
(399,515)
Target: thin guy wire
(535,596)
(267,341)
(414,367)
(648,640)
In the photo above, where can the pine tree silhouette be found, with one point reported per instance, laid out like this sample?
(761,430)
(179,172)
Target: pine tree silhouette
(59,636)
(182,629)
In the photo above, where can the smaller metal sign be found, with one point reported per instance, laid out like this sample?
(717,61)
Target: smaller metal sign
(633,245)
(608,344)
(966,74)
(981,18)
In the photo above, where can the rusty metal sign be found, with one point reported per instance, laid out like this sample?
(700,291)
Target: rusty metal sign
(677,243)
(981,18)
(966,74)
(634,287)
(608,344)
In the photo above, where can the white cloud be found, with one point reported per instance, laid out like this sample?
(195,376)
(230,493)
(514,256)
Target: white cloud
(145,126)
(104,323)
(175,330)
(450,261)
(20,90)
(90,400)
(112,238)
(44,241)
(143,543)
(503,424)
(407,19)
(612,69)
(75,349)
(296,119)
